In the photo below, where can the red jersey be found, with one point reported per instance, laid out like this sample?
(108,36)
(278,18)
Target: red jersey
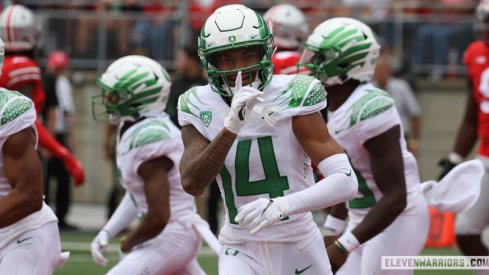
(285,62)
(476,58)
(18,71)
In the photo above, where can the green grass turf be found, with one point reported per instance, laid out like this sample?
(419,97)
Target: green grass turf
(80,262)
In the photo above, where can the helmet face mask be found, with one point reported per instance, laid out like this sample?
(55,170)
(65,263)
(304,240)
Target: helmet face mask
(234,27)
(131,88)
(340,49)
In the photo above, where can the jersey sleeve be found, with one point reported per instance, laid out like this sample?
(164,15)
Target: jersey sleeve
(150,142)
(375,113)
(17,112)
(468,58)
(189,110)
(303,95)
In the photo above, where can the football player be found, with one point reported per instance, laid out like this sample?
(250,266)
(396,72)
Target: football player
(342,53)
(29,236)
(475,125)
(135,91)
(290,29)
(258,135)
(20,72)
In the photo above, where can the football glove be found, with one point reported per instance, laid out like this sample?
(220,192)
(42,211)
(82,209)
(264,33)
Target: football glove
(261,213)
(244,99)
(99,246)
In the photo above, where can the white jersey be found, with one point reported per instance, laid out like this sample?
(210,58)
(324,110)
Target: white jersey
(148,139)
(264,161)
(16,114)
(367,113)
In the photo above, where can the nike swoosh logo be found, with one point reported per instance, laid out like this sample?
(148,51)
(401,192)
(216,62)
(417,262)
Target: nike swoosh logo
(253,36)
(302,270)
(348,174)
(338,131)
(19,241)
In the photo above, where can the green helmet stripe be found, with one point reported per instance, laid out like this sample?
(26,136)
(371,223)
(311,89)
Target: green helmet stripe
(139,97)
(337,39)
(127,83)
(262,27)
(357,48)
(354,58)
(335,32)
(121,84)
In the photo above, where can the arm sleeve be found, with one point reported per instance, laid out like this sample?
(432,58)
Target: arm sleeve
(340,185)
(123,216)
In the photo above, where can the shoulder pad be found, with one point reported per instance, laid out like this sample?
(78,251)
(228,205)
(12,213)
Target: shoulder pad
(373,103)
(149,132)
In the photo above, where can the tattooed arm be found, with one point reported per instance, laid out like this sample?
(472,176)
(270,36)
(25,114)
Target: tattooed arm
(202,160)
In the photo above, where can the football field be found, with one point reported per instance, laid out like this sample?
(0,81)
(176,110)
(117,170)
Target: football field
(80,262)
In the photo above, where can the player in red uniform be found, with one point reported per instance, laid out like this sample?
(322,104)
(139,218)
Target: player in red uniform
(475,125)
(290,30)
(20,72)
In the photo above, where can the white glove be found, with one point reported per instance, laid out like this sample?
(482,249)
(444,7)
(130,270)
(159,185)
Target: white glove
(244,99)
(262,212)
(99,246)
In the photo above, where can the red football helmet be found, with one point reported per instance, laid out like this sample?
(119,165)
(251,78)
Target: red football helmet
(58,60)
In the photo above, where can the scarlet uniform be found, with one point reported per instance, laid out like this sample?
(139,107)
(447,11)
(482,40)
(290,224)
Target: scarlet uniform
(285,62)
(18,71)
(476,58)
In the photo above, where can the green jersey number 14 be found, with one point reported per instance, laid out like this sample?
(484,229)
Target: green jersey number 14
(273,184)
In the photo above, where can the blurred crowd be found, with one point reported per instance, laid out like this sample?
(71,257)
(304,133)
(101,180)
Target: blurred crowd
(425,36)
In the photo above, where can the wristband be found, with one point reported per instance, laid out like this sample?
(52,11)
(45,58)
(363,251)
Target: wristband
(340,247)
(333,225)
(348,241)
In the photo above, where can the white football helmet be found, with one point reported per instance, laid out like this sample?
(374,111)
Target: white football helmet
(132,87)
(340,49)
(231,27)
(289,26)
(482,24)
(18,28)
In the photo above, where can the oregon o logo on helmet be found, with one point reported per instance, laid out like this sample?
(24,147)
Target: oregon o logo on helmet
(232,38)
